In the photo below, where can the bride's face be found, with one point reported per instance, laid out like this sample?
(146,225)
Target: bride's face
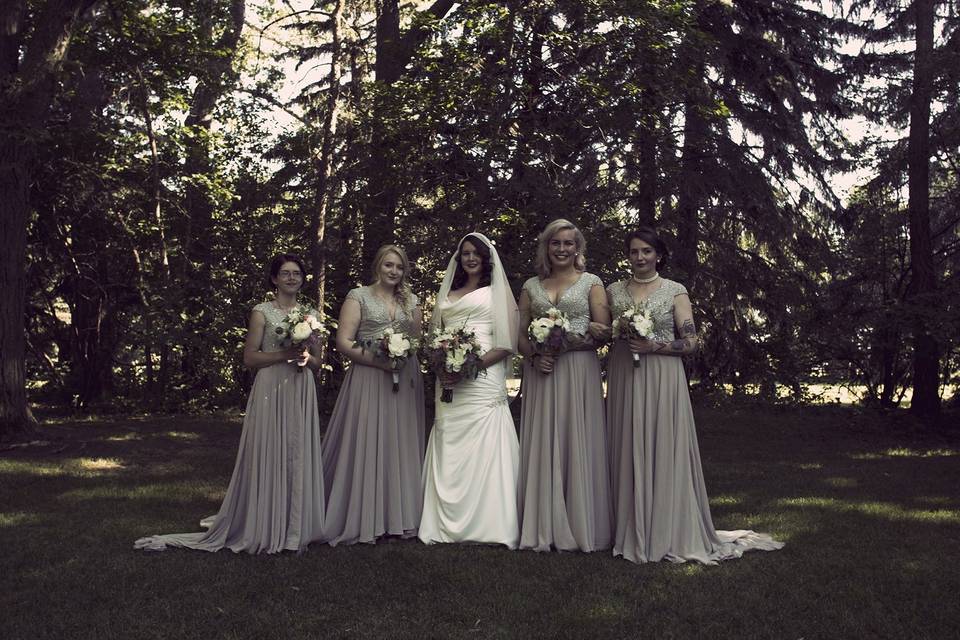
(470,259)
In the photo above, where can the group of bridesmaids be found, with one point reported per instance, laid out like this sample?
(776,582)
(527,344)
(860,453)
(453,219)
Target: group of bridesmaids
(586,473)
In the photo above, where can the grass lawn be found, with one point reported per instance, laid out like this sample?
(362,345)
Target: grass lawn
(869,508)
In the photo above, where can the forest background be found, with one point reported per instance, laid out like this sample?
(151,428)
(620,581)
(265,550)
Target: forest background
(155,154)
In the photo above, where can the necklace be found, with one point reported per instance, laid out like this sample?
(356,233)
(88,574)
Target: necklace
(646,280)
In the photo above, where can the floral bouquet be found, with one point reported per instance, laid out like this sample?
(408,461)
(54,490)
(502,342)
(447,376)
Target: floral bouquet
(299,328)
(453,351)
(549,332)
(635,322)
(394,346)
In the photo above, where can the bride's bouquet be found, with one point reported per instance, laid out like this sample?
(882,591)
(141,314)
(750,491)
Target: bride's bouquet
(548,333)
(394,346)
(299,328)
(453,351)
(636,322)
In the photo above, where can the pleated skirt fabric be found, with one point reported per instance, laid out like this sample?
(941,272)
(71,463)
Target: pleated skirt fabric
(660,499)
(275,499)
(372,456)
(564,494)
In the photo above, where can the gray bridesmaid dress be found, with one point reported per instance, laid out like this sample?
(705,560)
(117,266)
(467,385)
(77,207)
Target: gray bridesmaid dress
(564,493)
(374,443)
(275,500)
(660,499)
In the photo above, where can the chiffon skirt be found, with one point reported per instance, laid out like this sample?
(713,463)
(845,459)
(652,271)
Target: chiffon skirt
(470,469)
(372,456)
(564,492)
(660,498)
(275,500)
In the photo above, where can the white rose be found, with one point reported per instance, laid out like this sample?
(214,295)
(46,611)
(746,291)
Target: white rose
(301,331)
(398,344)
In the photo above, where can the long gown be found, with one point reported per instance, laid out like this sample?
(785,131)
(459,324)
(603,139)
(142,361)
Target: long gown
(564,477)
(373,446)
(275,500)
(470,469)
(660,499)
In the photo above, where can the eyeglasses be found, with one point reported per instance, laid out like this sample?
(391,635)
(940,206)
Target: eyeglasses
(290,274)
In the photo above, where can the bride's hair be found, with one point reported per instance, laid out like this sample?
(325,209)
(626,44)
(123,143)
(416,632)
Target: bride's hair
(402,293)
(542,261)
(460,276)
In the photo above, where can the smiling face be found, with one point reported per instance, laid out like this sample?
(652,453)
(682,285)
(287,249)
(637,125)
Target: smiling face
(643,258)
(470,259)
(289,278)
(562,248)
(390,270)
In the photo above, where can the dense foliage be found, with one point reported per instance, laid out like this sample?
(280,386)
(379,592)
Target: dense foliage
(178,153)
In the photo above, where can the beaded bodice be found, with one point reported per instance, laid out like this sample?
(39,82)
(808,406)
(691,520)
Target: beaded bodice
(660,304)
(375,314)
(574,302)
(271,339)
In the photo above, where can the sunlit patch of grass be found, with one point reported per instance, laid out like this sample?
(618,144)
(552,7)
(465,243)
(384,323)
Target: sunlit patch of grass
(18,519)
(841,483)
(882,509)
(605,610)
(30,468)
(725,500)
(181,435)
(175,492)
(132,436)
(809,466)
(99,464)
(905,452)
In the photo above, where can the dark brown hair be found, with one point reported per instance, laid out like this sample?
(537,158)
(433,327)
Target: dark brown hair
(460,276)
(278,261)
(650,236)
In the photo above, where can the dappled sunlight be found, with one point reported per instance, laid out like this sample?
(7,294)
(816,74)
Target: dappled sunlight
(28,468)
(904,452)
(18,519)
(606,610)
(725,500)
(841,483)
(886,510)
(181,435)
(100,464)
(132,436)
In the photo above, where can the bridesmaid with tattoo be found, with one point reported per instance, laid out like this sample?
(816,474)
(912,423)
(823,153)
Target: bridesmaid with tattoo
(660,500)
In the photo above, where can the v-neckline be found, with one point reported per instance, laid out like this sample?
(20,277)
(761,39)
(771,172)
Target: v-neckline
(626,288)
(563,293)
(396,307)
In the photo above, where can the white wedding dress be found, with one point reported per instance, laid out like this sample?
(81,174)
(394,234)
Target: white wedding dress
(473,455)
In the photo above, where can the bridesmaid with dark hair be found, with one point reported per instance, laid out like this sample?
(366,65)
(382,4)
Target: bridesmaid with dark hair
(374,443)
(564,479)
(660,499)
(275,500)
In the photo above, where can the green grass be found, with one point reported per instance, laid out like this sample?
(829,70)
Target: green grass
(869,508)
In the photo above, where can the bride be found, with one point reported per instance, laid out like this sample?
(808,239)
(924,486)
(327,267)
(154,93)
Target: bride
(472,459)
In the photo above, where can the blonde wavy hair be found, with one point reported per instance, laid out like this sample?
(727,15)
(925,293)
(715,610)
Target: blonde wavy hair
(402,293)
(542,261)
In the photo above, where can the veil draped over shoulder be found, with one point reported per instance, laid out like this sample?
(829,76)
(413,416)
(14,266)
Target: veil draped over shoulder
(506,318)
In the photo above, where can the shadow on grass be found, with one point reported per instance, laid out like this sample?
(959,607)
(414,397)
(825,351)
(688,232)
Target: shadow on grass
(870,517)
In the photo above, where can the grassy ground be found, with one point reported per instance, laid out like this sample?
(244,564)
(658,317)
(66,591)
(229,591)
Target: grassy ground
(869,508)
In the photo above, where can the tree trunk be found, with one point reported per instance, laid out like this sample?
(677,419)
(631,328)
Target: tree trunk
(926,359)
(690,191)
(26,90)
(318,222)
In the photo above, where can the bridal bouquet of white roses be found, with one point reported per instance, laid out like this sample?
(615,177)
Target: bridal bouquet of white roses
(635,322)
(453,351)
(299,328)
(548,333)
(394,346)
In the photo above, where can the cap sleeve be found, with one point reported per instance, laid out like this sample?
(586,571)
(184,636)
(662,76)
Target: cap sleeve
(528,285)
(263,307)
(356,294)
(679,290)
(594,280)
(414,301)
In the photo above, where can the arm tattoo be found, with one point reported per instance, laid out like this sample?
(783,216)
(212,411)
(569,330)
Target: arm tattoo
(687,329)
(678,345)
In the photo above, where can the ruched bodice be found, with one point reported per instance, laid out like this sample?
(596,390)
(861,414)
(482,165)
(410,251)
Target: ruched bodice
(574,302)
(375,315)
(473,311)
